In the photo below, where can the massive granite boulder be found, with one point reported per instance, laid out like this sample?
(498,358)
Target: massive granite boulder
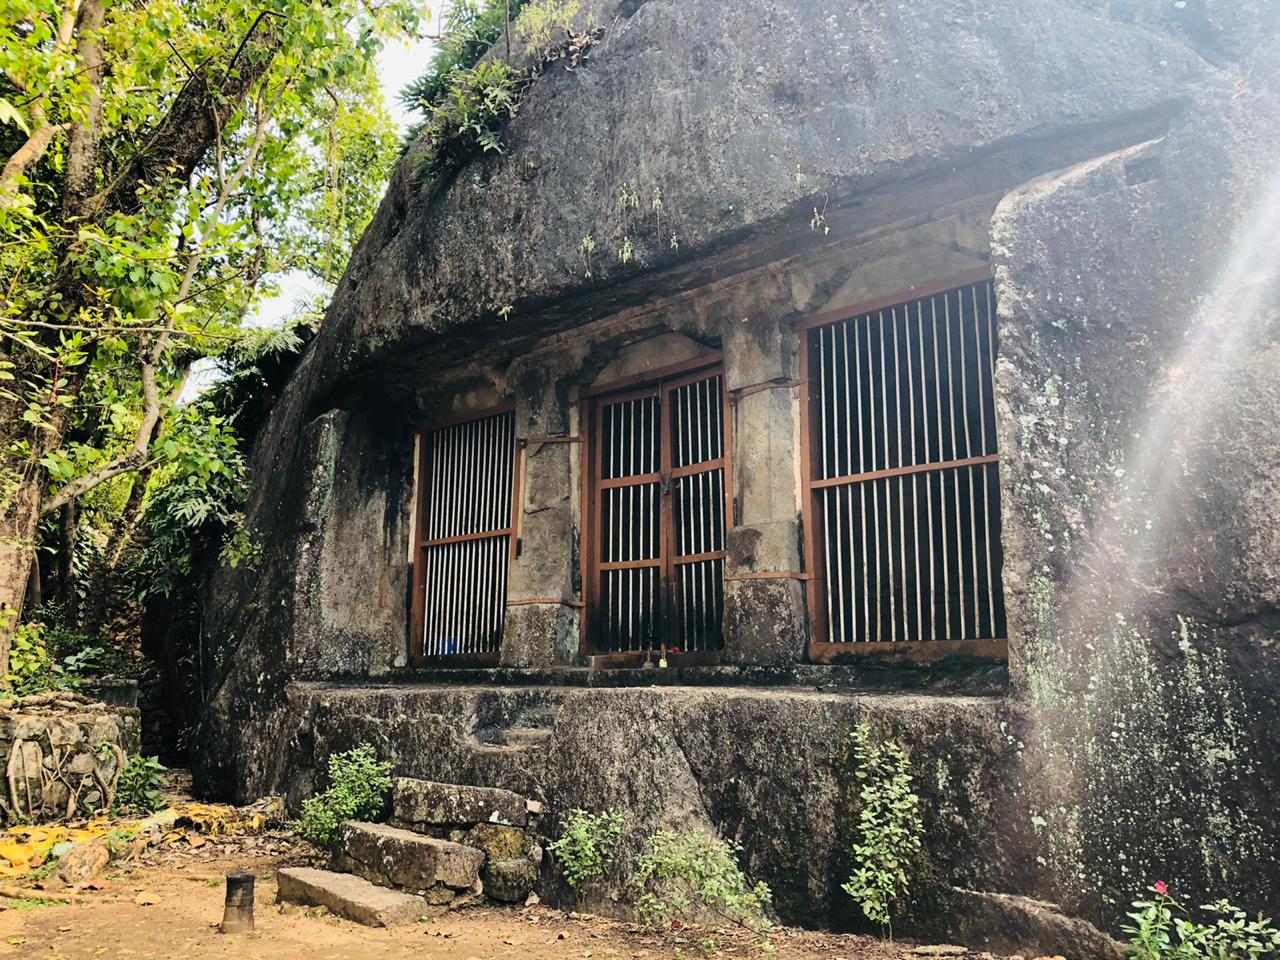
(1129,148)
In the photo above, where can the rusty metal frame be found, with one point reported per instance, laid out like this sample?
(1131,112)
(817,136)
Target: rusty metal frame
(821,650)
(661,382)
(417,612)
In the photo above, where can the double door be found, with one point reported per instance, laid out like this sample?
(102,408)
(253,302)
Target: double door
(658,511)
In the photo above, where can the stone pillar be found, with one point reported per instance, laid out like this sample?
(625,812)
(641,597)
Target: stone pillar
(765,620)
(542,621)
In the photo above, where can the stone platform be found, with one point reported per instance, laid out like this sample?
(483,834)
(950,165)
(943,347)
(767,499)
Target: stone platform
(769,767)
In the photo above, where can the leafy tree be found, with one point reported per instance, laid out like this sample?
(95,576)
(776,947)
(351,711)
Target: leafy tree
(162,160)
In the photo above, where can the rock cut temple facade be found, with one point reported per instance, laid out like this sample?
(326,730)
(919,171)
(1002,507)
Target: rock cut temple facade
(796,366)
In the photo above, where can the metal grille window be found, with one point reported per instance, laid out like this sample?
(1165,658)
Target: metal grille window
(658,516)
(467,475)
(903,489)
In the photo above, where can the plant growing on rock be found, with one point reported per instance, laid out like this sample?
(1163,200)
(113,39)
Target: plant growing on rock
(470,116)
(467,94)
(585,848)
(468,29)
(358,789)
(541,20)
(688,877)
(140,788)
(35,664)
(889,827)
(1158,921)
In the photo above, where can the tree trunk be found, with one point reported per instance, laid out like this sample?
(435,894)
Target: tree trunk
(66,558)
(17,549)
(82,143)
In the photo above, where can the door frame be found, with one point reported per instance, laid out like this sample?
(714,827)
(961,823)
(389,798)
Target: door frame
(662,380)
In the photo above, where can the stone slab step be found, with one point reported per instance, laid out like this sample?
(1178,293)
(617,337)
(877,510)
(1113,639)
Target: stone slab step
(392,857)
(425,804)
(348,896)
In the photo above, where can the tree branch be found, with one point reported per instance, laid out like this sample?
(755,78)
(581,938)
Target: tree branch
(182,139)
(27,154)
(135,459)
(43,132)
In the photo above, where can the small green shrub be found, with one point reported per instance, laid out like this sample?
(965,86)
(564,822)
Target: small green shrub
(889,827)
(585,848)
(358,788)
(541,21)
(34,663)
(1232,936)
(140,789)
(687,876)
(31,666)
(470,115)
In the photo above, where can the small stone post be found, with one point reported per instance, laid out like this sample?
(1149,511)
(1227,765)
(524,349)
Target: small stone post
(237,914)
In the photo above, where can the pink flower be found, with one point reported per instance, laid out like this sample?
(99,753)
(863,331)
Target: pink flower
(1160,887)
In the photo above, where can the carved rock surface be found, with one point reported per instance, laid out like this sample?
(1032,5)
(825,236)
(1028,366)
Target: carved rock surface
(1127,150)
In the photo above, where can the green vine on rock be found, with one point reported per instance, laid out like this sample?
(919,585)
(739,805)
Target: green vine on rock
(889,827)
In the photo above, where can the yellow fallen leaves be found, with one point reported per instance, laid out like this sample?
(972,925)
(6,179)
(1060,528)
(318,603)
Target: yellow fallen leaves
(24,848)
(216,819)
(192,821)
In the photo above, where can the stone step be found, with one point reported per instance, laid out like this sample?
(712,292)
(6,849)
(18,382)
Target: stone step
(439,870)
(426,806)
(348,896)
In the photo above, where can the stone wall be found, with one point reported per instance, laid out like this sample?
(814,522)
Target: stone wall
(62,756)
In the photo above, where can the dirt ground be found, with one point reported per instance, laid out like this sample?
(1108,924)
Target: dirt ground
(172,910)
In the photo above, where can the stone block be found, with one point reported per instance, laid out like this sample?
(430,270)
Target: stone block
(497,841)
(510,880)
(392,857)
(348,896)
(764,457)
(764,621)
(64,732)
(427,804)
(105,728)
